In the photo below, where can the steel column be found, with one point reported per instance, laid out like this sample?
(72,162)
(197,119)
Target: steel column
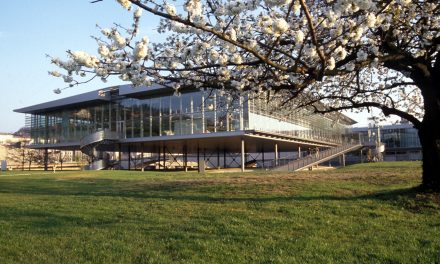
(218,157)
(224,158)
(185,158)
(164,157)
(46,158)
(198,159)
(142,156)
(242,156)
(129,157)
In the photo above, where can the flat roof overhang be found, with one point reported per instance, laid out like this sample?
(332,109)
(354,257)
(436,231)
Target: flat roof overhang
(84,99)
(96,96)
(255,141)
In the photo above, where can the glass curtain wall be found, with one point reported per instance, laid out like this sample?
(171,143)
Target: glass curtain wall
(400,138)
(190,113)
(301,117)
(208,111)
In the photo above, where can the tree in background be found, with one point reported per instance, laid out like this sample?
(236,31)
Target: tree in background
(346,54)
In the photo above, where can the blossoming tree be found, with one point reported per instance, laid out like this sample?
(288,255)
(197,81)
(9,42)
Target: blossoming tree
(347,54)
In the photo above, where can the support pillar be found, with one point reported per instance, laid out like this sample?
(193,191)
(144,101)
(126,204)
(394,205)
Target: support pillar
(361,157)
(276,154)
(343,160)
(119,156)
(299,152)
(218,157)
(158,158)
(142,156)
(242,156)
(46,158)
(164,157)
(198,159)
(61,160)
(129,157)
(185,158)
(224,158)
(262,157)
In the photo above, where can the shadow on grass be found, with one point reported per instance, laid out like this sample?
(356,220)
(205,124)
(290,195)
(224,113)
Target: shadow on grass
(184,191)
(202,192)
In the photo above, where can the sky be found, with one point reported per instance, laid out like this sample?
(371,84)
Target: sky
(31,29)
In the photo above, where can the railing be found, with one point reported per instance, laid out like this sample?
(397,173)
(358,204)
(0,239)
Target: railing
(287,164)
(89,142)
(98,137)
(315,135)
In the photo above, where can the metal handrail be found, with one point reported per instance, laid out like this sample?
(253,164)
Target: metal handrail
(293,165)
(98,136)
(89,142)
(320,135)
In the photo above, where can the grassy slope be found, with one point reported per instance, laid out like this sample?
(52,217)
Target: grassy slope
(363,213)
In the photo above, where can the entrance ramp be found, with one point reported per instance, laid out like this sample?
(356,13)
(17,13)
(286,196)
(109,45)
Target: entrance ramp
(317,158)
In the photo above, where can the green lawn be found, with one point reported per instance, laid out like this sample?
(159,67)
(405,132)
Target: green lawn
(364,213)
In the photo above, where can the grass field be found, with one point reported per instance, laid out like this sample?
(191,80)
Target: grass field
(370,213)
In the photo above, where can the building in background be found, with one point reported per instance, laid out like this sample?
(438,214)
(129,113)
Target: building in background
(15,154)
(128,127)
(399,141)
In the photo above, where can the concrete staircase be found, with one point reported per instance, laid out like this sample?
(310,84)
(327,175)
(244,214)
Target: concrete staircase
(315,159)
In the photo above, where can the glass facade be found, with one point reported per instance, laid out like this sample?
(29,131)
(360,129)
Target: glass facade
(197,112)
(393,136)
(191,113)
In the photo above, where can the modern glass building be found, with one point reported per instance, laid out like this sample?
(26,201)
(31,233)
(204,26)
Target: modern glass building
(154,120)
(401,141)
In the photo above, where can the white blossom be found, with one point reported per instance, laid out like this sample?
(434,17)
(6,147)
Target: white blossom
(137,13)
(341,52)
(280,26)
(232,34)
(331,63)
(299,36)
(84,58)
(55,73)
(125,4)
(296,7)
(194,7)
(223,59)
(106,32)
(103,50)
(371,20)
(237,59)
(261,45)
(120,41)
(140,51)
(171,10)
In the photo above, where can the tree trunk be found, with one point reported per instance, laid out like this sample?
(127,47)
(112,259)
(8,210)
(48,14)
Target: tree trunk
(429,134)
(431,158)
